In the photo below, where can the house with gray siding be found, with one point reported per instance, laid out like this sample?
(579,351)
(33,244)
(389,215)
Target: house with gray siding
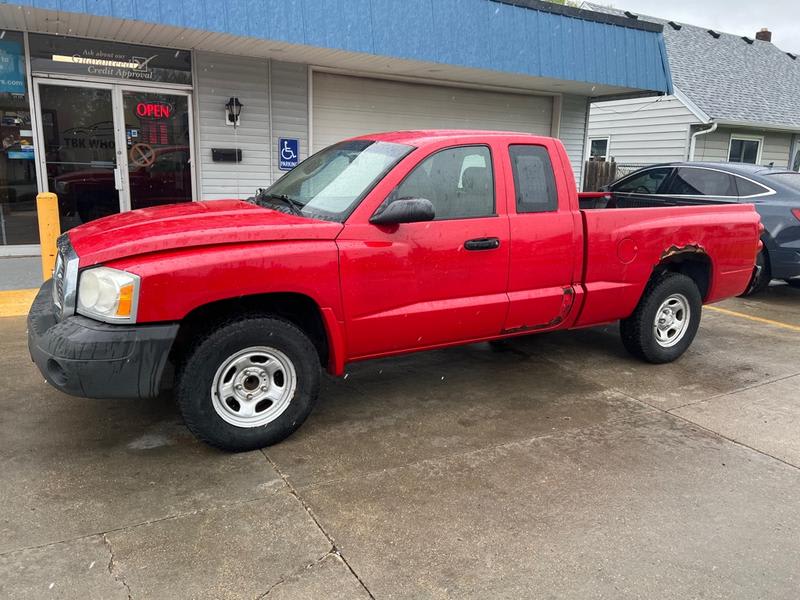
(735,99)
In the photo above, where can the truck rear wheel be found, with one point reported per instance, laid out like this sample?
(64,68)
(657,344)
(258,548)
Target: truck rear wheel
(249,383)
(666,320)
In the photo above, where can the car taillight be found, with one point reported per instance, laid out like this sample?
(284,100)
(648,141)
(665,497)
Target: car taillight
(796,213)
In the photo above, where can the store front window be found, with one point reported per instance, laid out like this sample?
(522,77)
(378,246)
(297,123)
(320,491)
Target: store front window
(18,224)
(157,142)
(86,163)
(80,154)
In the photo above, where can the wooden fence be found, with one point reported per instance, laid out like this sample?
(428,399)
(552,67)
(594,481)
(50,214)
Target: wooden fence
(597,173)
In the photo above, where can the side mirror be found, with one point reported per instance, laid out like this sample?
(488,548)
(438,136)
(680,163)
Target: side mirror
(404,210)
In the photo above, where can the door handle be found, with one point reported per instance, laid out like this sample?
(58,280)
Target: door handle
(482,244)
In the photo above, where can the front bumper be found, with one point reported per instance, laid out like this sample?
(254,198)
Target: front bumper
(83,357)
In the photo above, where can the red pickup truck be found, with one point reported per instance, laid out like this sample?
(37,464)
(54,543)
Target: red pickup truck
(375,246)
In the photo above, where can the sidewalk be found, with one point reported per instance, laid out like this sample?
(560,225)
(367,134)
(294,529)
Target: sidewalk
(20,278)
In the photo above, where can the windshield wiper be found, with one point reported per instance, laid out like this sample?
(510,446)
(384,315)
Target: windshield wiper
(293,204)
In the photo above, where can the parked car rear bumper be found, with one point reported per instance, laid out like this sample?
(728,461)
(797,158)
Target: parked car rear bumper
(785,263)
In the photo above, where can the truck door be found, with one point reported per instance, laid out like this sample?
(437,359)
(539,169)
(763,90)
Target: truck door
(415,285)
(545,241)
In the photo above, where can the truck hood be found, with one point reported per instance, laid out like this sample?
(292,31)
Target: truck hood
(191,224)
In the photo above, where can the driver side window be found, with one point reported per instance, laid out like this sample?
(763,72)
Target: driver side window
(458,182)
(647,182)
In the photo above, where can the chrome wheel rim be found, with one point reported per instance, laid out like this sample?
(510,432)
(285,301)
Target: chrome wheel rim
(672,320)
(254,386)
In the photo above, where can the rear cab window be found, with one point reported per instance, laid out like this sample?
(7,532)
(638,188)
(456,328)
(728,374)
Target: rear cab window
(534,181)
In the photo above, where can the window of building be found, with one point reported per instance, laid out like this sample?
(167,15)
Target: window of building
(598,149)
(690,181)
(534,181)
(458,182)
(645,182)
(18,224)
(745,149)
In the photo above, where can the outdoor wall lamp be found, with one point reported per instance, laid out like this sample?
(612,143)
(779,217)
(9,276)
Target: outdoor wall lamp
(233,108)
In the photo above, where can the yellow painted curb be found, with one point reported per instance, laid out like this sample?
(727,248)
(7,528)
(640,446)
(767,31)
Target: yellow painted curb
(16,303)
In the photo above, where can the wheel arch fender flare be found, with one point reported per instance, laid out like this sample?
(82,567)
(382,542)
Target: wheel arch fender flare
(321,324)
(691,260)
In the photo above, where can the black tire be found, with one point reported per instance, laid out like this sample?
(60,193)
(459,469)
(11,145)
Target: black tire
(759,283)
(197,372)
(637,331)
(795,283)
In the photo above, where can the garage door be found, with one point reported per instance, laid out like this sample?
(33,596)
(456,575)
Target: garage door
(346,106)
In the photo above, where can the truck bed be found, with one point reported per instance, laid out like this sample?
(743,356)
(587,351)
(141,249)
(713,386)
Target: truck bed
(623,246)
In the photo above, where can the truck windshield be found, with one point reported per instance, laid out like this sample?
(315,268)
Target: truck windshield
(330,184)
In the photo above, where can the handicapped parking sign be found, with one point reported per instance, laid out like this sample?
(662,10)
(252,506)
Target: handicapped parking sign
(288,153)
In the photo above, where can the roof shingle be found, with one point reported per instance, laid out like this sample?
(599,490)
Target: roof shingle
(729,78)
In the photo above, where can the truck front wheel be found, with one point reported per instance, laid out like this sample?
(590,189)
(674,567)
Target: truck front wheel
(666,320)
(248,383)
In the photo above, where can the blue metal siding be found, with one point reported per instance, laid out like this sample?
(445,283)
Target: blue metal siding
(470,33)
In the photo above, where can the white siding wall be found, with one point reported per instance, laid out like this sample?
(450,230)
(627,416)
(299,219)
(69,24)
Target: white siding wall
(643,130)
(218,78)
(572,131)
(347,106)
(282,87)
(258,85)
(289,107)
(714,146)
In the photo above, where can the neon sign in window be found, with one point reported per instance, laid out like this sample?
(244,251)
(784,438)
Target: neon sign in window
(153,110)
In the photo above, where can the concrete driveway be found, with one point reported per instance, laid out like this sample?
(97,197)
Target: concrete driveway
(555,467)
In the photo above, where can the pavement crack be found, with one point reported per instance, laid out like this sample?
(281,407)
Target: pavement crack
(130,526)
(717,434)
(307,508)
(284,578)
(111,567)
(732,392)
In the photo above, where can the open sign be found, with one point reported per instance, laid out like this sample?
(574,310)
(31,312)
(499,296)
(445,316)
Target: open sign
(153,110)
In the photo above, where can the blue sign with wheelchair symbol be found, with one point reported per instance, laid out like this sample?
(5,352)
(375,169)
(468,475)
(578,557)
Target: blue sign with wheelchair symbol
(288,153)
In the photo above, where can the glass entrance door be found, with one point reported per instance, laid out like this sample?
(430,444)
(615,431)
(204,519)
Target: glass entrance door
(109,148)
(80,157)
(157,138)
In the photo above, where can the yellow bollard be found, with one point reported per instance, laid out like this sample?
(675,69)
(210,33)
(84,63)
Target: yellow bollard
(49,230)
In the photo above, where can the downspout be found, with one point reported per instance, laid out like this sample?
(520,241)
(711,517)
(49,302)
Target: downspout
(697,134)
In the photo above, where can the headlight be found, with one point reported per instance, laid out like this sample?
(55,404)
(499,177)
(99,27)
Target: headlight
(108,295)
